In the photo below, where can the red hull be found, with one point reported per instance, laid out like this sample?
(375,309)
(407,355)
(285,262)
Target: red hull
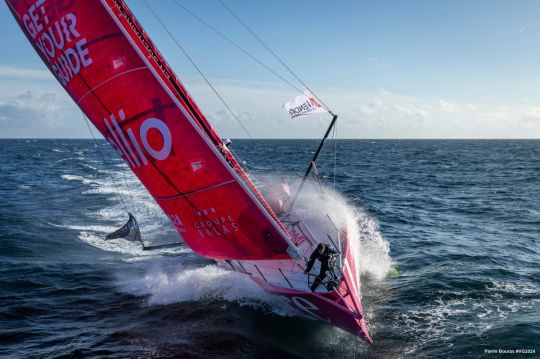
(341,307)
(321,307)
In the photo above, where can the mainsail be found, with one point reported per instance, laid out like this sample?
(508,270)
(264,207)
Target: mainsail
(106,62)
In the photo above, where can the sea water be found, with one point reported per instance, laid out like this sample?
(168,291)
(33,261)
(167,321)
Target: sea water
(449,249)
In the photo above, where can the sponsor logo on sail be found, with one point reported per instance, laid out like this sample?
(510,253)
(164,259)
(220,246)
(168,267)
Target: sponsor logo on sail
(58,40)
(129,148)
(177,222)
(213,224)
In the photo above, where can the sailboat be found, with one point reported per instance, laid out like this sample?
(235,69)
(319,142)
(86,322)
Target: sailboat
(106,62)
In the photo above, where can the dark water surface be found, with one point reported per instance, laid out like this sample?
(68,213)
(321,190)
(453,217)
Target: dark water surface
(461,218)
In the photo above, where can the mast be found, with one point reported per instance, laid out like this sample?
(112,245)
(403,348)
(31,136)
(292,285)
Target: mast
(313,160)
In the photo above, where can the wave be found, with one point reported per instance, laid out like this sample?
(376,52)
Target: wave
(443,320)
(70,177)
(178,283)
(372,251)
(165,285)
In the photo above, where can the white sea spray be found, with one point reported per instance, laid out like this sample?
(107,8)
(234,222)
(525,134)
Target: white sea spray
(371,250)
(166,283)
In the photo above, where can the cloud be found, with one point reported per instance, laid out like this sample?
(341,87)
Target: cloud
(33,104)
(237,126)
(449,107)
(532,118)
(18,72)
(47,111)
(378,113)
(29,110)
(225,115)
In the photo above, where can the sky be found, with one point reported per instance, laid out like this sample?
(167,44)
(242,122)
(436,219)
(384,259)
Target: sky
(389,69)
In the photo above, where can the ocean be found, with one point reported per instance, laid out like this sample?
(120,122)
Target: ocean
(450,240)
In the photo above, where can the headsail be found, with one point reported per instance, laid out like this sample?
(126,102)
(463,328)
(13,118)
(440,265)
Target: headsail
(103,58)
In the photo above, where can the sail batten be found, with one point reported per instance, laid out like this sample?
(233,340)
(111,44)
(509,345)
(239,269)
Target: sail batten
(152,122)
(195,191)
(109,79)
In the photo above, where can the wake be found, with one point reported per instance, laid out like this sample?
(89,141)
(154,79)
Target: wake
(175,278)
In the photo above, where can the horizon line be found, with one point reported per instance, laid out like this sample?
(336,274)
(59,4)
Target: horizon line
(310,139)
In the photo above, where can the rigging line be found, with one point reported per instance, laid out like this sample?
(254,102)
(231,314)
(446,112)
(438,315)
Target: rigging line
(124,170)
(105,162)
(197,68)
(241,162)
(273,54)
(238,46)
(334,139)
(229,40)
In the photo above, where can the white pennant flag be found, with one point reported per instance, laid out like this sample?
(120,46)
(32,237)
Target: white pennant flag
(303,105)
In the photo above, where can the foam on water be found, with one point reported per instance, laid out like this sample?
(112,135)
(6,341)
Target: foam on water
(94,235)
(442,320)
(166,283)
(166,286)
(82,179)
(371,250)
(122,246)
(92,168)
(150,217)
(463,230)
(65,159)
(92,228)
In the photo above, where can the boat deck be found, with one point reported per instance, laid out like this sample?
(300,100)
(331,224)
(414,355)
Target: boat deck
(289,273)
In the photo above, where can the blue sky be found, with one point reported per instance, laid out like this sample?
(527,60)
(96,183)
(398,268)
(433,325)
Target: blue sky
(391,69)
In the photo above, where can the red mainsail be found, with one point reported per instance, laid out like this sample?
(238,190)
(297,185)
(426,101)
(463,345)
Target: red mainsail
(106,62)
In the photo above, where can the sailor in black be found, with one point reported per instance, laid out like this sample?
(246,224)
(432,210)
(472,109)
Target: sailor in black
(327,256)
